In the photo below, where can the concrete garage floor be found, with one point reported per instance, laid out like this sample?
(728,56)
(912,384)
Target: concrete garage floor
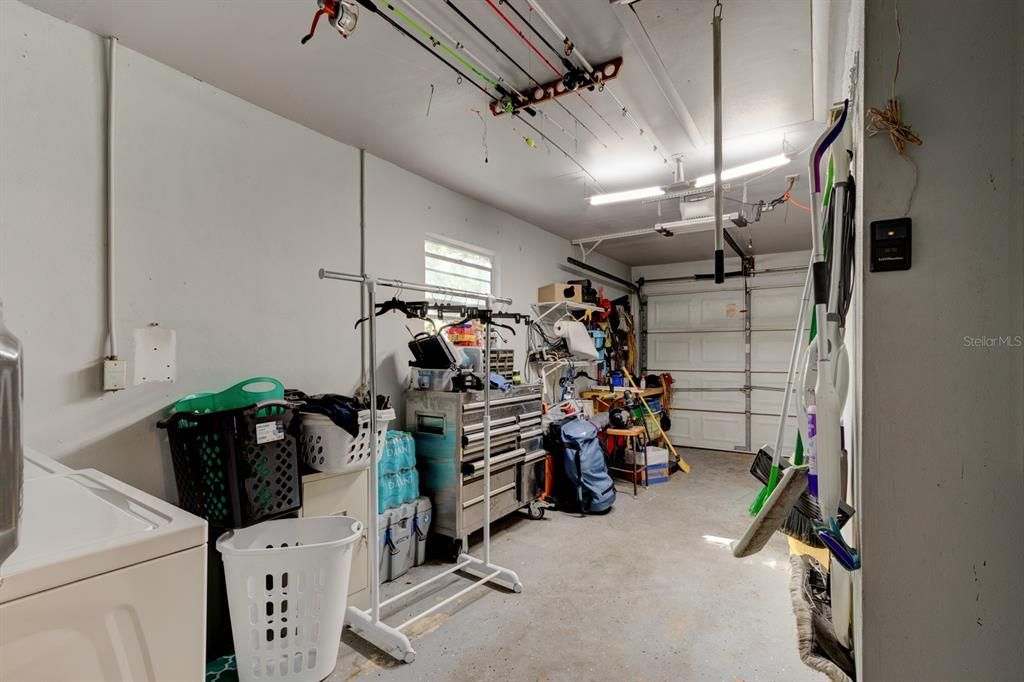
(643,593)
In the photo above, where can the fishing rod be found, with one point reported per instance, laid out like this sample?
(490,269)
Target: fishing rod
(369,5)
(572,82)
(558,53)
(570,51)
(499,79)
(516,64)
(496,84)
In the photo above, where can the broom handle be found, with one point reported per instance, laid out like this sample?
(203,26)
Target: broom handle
(682,462)
(790,374)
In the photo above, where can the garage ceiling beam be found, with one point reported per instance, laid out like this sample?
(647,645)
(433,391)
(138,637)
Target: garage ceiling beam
(652,60)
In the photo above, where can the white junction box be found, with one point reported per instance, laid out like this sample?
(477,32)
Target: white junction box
(115,374)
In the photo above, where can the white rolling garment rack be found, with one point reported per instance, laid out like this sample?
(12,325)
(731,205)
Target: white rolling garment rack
(366,622)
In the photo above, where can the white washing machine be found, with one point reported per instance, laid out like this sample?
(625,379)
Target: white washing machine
(108,583)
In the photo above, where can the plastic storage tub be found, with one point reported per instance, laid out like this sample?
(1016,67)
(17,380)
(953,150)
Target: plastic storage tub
(287,584)
(325,446)
(236,467)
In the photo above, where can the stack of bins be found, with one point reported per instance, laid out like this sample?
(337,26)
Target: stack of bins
(404,516)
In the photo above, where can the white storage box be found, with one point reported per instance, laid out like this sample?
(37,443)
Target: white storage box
(325,446)
(287,584)
(655,455)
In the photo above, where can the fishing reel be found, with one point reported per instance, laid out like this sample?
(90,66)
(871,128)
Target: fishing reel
(575,78)
(341,14)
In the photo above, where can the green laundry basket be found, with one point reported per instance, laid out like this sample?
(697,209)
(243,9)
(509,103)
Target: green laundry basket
(242,394)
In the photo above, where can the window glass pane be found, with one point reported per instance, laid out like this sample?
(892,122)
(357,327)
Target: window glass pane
(468,271)
(456,268)
(459,254)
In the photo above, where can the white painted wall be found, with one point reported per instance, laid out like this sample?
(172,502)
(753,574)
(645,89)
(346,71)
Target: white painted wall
(942,425)
(403,209)
(225,213)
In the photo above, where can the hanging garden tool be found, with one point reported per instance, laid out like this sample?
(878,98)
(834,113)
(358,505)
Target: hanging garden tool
(341,14)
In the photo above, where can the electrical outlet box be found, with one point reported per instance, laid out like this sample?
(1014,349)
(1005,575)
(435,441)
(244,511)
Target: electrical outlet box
(115,374)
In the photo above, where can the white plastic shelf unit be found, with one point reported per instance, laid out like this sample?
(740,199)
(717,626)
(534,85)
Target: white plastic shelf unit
(546,314)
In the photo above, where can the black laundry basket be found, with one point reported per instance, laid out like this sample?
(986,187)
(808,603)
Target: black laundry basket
(237,467)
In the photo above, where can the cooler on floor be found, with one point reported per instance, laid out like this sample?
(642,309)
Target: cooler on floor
(396,555)
(423,511)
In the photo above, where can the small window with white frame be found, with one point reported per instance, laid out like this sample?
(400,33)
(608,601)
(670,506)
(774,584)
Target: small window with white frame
(456,266)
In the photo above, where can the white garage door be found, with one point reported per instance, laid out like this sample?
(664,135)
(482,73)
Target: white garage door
(727,391)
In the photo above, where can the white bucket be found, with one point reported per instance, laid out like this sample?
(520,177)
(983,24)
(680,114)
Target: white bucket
(287,584)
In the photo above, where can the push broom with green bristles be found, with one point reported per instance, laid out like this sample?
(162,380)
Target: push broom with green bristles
(794,354)
(775,500)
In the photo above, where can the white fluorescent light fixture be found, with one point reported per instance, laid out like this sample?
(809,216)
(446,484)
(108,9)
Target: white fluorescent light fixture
(628,195)
(701,224)
(747,169)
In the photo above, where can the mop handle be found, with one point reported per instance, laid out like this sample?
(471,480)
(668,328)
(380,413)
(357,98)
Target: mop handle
(794,353)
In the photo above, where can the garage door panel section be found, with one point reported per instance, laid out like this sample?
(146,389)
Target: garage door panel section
(688,394)
(764,401)
(775,308)
(769,350)
(718,310)
(713,351)
(764,428)
(716,430)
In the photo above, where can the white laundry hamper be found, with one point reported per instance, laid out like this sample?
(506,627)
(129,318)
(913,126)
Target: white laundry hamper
(325,446)
(287,584)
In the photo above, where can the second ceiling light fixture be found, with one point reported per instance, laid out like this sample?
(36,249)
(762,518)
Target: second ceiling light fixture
(702,181)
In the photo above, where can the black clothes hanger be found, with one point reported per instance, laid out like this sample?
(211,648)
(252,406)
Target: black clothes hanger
(415,310)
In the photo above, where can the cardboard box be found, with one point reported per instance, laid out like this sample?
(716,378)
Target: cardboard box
(657,473)
(654,474)
(559,291)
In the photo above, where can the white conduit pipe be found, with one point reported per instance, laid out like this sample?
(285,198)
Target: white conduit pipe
(716,34)
(111,120)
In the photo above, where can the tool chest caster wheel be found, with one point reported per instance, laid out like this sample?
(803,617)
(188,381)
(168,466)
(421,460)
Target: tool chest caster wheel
(535,511)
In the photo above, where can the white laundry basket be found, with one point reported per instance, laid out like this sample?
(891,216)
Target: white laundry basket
(325,446)
(287,584)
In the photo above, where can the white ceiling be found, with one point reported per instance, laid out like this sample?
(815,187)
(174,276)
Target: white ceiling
(372,91)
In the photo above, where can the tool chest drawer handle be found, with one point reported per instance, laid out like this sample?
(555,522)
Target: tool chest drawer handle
(501,401)
(479,426)
(478,465)
(480,498)
(473,437)
(534,456)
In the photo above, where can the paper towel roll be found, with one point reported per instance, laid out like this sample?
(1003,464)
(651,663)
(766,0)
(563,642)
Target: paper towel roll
(578,339)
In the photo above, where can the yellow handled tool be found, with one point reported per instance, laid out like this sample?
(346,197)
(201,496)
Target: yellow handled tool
(682,462)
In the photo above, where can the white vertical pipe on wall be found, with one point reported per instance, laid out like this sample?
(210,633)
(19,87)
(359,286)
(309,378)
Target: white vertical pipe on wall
(111,121)
(821,21)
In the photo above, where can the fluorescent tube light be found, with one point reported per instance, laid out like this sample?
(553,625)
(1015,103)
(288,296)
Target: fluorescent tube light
(628,195)
(689,225)
(747,169)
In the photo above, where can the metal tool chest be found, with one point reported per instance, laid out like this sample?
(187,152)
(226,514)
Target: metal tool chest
(449,433)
